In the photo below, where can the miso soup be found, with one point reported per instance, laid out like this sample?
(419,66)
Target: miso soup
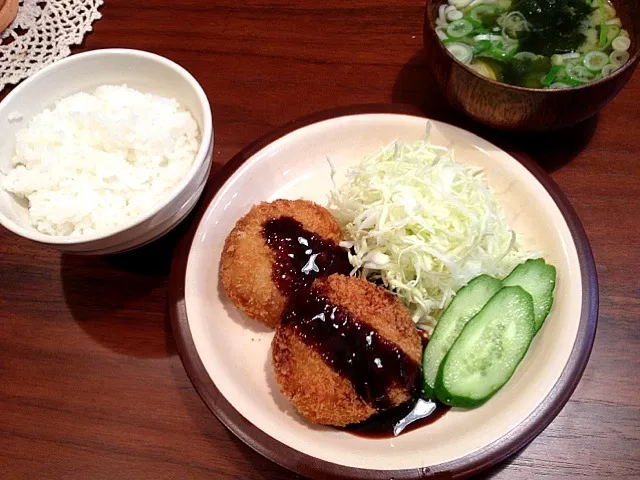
(535,43)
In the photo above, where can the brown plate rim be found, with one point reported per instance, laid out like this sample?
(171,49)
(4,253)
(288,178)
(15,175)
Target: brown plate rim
(309,466)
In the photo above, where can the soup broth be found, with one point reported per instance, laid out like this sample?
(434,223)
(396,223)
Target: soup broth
(535,43)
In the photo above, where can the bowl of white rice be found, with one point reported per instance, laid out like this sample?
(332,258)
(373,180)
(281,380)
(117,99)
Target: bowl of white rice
(103,152)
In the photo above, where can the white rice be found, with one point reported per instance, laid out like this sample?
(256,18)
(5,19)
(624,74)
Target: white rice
(96,162)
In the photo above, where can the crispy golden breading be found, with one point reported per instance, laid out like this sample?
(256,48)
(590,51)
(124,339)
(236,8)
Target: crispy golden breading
(247,261)
(319,393)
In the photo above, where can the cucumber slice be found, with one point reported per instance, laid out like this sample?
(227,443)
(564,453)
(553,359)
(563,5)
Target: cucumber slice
(539,279)
(468,302)
(488,350)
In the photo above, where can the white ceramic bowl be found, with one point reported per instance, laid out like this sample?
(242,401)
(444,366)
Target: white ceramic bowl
(84,72)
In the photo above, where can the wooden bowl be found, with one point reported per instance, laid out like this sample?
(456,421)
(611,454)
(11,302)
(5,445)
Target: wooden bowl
(508,107)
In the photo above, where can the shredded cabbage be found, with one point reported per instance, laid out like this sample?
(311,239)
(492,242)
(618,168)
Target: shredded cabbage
(423,225)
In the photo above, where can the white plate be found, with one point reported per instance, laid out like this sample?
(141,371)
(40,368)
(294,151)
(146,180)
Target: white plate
(227,355)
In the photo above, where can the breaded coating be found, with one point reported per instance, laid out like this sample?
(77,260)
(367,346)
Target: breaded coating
(247,261)
(315,389)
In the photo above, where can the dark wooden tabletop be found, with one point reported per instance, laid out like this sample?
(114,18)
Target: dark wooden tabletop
(90,383)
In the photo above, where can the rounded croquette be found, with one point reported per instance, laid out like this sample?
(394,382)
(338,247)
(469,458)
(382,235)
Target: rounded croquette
(247,261)
(311,382)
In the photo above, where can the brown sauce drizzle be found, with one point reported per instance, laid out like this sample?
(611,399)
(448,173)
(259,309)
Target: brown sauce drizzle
(399,420)
(351,348)
(301,255)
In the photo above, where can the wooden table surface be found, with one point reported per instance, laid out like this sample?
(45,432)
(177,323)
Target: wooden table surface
(90,383)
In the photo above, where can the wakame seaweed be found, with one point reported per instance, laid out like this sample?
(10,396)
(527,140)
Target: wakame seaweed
(557,25)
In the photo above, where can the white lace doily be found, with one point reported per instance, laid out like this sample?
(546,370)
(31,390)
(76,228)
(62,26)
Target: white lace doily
(42,33)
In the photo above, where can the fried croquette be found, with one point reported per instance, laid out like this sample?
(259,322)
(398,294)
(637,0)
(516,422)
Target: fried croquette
(247,262)
(345,350)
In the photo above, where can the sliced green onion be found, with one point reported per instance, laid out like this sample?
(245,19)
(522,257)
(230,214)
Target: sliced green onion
(476,25)
(484,12)
(621,44)
(454,15)
(603,36)
(579,73)
(603,26)
(609,69)
(503,50)
(616,21)
(441,34)
(478,2)
(555,59)
(609,10)
(570,56)
(460,4)
(573,61)
(612,32)
(449,9)
(515,26)
(624,33)
(595,60)
(468,40)
(459,28)
(551,76)
(481,31)
(619,58)
(559,85)
(481,46)
(491,38)
(442,14)
(461,51)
